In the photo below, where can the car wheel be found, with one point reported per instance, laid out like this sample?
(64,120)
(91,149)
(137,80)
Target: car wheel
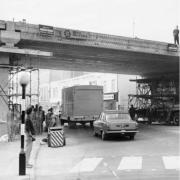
(91,124)
(132,136)
(103,135)
(176,119)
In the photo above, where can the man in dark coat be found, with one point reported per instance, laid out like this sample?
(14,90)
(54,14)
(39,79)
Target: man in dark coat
(176,35)
(132,112)
(29,129)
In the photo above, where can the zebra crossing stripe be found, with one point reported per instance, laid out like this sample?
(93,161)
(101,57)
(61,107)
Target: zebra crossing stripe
(129,163)
(171,162)
(86,165)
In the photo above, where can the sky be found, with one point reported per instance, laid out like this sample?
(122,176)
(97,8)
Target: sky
(145,19)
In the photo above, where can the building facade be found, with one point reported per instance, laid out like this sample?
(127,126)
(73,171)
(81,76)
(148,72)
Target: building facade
(116,89)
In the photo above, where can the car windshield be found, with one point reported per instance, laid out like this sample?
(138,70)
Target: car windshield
(120,116)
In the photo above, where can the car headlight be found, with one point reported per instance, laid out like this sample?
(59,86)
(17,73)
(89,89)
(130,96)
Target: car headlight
(108,125)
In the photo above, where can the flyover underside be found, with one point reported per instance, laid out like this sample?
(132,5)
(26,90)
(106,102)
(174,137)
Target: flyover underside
(91,59)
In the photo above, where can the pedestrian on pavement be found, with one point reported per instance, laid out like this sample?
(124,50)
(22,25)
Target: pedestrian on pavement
(33,117)
(176,35)
(132,112)
(29,130)
(41,119)
(49,119)
(53,119)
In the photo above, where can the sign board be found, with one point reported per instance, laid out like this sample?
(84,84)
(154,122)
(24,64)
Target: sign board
(46,30)
(111,96)
(2,25)
(172,47)
(79,35)
(108,97)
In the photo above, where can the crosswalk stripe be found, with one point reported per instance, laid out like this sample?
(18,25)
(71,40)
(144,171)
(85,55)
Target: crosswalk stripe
(128,163)
(86,165)
(171,162)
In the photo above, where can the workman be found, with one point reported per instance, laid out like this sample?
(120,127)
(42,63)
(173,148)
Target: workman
(176,35)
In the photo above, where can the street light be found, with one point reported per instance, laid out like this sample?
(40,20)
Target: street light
(24,80)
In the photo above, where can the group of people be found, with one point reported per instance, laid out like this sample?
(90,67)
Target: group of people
(36,121)
(35,118)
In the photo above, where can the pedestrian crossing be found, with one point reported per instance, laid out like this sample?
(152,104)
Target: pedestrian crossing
(127,163)
(130,163)
(87,165)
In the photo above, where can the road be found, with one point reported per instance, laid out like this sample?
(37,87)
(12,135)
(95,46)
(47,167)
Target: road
(153,155)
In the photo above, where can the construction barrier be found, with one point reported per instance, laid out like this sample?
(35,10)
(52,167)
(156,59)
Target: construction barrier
(56,137)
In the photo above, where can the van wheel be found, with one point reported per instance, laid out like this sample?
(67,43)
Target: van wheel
(132,136)
(176,119)
(103,135)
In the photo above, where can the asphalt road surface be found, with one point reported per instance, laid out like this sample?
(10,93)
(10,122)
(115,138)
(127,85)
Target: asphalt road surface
(153,155)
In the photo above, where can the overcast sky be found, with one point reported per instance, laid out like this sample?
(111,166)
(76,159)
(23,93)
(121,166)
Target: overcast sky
(153,19)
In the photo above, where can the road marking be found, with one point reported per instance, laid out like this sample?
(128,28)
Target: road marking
(171,162)
(86,165)
(128,163)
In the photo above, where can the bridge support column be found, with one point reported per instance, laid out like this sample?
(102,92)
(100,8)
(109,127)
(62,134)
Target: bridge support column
(4,73)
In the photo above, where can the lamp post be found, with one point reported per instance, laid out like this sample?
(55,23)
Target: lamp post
(24,80)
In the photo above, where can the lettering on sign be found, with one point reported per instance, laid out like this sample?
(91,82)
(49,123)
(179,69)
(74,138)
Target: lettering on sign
(46,30)
(172,47)
(108,96)
(67,33)
(79,35)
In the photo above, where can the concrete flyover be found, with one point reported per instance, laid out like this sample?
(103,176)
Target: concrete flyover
(48,47)
(84,51)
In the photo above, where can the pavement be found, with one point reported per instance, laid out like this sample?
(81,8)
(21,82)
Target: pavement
(154,156)
(9,159)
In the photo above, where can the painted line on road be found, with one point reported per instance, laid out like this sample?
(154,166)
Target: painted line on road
(171,162)
(86,165)
(130,163)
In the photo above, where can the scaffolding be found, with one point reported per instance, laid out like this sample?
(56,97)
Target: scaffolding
(14,89)
(160,94)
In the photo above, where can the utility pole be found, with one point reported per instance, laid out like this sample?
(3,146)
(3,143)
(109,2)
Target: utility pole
(133,28)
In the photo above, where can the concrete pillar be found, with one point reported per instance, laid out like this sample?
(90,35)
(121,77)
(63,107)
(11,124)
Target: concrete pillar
(4,59)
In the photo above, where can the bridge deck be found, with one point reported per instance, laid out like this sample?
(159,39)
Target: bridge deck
(87,51)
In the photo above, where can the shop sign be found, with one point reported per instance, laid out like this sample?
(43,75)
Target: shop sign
(108,97)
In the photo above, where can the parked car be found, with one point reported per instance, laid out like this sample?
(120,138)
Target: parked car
(115,122)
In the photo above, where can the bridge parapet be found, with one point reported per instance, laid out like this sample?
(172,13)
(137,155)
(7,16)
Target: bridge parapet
(42,33)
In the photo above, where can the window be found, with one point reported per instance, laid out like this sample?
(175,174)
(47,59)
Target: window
(123,116)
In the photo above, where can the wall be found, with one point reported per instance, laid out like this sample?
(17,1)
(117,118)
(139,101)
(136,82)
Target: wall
(4,84)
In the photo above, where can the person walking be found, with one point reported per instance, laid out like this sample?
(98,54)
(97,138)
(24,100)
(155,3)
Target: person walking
(41,119)
(29,132)
(176,35)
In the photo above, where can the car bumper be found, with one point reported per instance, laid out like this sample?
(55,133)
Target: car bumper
(120,131)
